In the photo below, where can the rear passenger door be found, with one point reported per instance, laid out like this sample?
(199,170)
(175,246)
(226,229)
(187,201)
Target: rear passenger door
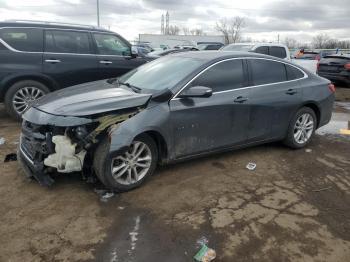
(274,97)
(114,55)
(69,57)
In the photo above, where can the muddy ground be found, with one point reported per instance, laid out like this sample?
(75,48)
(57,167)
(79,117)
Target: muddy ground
(295,206)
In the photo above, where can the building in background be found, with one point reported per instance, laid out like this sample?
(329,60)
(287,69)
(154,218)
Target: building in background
(157,40)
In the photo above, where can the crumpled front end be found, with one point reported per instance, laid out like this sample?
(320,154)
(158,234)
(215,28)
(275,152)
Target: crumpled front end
(52,144)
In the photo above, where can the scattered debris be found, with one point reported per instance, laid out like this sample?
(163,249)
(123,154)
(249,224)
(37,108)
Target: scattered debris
(251,166)
(2,140)
(322,189)
(205,254)
(104,194)
(10,157)
(15,142)
(344,131)
(202,242)
(121,208)
(308,150)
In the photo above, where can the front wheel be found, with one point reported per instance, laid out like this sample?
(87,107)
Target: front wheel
(128,170)
(301,128)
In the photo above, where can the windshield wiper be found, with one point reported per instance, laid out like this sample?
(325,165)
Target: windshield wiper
(133,88)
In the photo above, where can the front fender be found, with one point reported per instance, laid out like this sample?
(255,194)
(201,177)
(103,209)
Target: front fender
(150,119)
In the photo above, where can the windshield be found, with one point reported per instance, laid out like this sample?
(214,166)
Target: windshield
(162,73)
(202,46)
(237,48)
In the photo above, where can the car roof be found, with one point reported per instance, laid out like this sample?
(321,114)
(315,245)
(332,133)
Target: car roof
(220,55)
(52,25)
(259,44)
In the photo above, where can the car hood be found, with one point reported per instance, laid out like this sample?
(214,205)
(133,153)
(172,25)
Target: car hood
(89,99)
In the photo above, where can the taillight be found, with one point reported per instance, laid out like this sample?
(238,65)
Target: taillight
(318,65)
(347,66)
(331,87)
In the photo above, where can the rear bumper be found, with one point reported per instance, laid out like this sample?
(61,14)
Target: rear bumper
(336,77)
(326,109)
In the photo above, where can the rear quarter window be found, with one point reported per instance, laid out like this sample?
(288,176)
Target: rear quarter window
(23,39)
(293,73)
(278,51)
(267,71)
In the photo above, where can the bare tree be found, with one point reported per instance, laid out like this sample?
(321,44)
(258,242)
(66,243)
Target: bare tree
(235,28)
(185,30)
(222,27)
(174,30)
(290,42)
(231,28)
(320,41)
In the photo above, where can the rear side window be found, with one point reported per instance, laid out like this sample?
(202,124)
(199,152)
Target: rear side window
(23,39)
(267,71)
(278,51)
(262,50)
(293,72)
(223,76)
(59,41)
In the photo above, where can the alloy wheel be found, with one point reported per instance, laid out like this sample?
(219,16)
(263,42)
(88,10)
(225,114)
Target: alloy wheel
(133,165)
(303,128)
(25,97)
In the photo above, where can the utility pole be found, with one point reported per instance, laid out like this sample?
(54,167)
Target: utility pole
(278,38)
(98,13)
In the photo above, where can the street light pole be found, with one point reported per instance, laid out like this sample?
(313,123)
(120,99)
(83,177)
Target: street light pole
(98,13)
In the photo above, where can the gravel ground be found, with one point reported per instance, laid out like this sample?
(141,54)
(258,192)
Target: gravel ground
(293,207)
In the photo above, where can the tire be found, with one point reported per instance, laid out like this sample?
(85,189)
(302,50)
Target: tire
(291,139)
(31,88)
(103,164)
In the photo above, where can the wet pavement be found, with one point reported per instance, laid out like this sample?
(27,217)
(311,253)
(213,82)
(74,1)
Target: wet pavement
(293,207)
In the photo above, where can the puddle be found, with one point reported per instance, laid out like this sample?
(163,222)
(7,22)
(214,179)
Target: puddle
(338,121)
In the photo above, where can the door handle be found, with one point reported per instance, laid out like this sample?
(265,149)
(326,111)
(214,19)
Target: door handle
(291,91)
(240,99)
(105,62)
(53,61)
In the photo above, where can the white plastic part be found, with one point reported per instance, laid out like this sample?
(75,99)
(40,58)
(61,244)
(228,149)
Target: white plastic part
(65,159)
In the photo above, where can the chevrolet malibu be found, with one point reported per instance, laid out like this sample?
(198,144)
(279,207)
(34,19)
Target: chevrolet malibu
(174,108)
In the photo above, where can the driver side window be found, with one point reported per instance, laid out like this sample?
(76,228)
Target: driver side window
(108,44)
(224,76)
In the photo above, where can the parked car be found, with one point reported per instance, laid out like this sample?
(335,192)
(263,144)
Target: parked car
(176,107)
(157,54)
(272,49)
(39,57)
(315,55)
(188,47)
(209,46)
(335,68)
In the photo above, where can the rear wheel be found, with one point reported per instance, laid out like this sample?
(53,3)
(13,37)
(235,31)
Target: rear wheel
(21,95)
(301,128)
(128,170)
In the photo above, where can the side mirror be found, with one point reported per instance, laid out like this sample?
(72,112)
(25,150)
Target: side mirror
(197,91)
(134,51)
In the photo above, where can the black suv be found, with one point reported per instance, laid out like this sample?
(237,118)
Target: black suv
(39,57)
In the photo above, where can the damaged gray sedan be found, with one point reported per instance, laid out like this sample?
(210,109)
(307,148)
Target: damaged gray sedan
(174,108)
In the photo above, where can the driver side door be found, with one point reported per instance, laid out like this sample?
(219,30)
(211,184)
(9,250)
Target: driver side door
(114,55)
(202,124)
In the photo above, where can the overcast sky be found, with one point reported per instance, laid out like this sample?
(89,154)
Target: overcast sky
(265,19)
